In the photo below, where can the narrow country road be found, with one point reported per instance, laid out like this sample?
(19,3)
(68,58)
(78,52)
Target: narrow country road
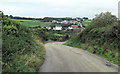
(61,58)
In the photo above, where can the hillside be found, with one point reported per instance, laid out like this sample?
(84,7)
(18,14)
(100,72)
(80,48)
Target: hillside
(22,51)
(51,22)
(33,23)
(102,37)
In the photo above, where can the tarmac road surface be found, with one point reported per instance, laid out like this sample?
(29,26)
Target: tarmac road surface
(61,58)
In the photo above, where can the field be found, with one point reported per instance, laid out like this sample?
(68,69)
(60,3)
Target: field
(34,23)
(86,23)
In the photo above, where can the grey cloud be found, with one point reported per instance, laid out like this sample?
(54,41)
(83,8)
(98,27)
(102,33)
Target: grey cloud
(62,8)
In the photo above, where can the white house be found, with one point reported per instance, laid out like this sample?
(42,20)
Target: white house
(48,28)
(70,27)
(57,28)
(65,22)
(73,22)
(54,21)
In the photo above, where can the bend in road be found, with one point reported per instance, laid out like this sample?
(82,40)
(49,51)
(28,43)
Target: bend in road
(61,58)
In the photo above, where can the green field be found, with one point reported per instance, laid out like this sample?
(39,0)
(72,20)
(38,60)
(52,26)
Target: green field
(86,23)
(58,34)
(32,23)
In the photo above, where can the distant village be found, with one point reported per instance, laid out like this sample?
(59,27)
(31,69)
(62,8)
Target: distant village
(74,24)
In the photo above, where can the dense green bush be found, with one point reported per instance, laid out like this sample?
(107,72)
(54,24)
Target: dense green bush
(46,35)
(11,29)
(21,51)
(102,37)
(42,33)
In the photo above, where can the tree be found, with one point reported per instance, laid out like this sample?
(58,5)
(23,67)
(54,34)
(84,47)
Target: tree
(11,16)
(85,18)
(104,19)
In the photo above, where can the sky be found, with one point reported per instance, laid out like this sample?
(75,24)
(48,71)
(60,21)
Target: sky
(58,8)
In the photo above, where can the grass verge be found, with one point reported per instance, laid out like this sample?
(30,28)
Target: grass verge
(95,50)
